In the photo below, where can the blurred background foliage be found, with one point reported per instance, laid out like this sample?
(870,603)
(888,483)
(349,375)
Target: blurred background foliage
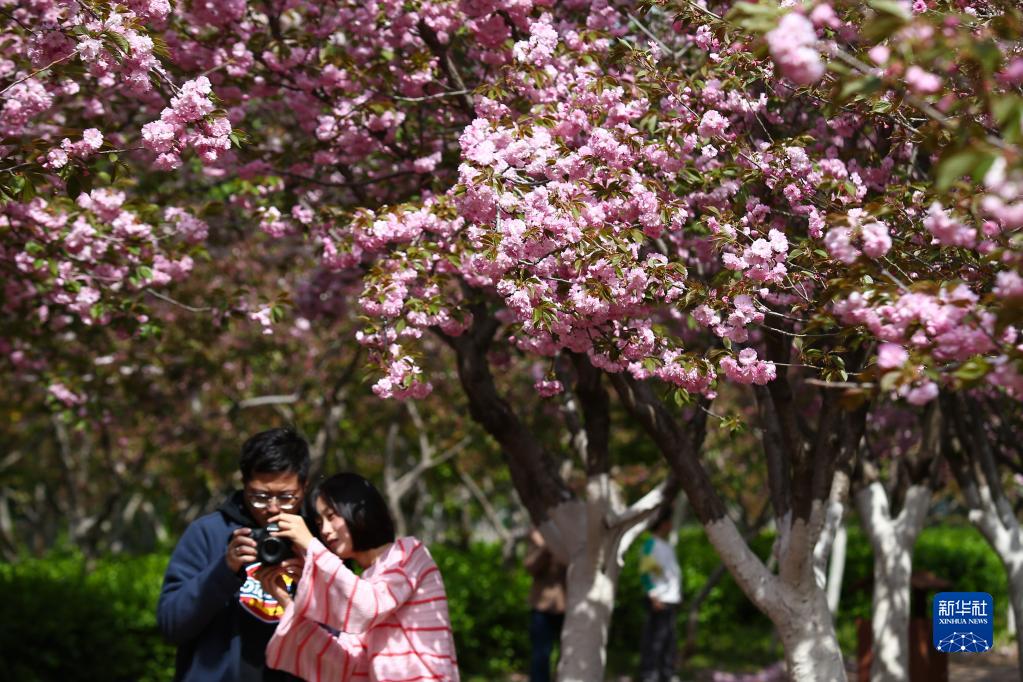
(94,619)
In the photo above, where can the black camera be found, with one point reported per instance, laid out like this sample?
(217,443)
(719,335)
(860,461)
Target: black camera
(269,549)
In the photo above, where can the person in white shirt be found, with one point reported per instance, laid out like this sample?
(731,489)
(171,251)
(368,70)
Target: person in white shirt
(662,581)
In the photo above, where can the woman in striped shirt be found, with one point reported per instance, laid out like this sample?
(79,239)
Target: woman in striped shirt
(389,624)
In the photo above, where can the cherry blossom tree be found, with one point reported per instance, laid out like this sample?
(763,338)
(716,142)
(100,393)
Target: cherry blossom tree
(818,198)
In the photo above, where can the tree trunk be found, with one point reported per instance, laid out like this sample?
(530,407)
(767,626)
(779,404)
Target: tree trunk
(1008,545)
(968,452)
(889,620)
(587,535)
(579,534)
(836,568)
(808,634)
(893,541)
(1015,574)
(793,599)
(829,554)
(590,600)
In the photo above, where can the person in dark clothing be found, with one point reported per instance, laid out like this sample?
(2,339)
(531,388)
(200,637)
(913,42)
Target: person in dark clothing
(662,580)
(212,606)
(546,605)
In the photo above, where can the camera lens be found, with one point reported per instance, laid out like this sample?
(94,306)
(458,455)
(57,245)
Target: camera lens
(271,550)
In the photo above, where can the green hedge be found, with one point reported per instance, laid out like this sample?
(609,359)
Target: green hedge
(488,602)
(729,623)
(66,623)
(956,553)
(69,623)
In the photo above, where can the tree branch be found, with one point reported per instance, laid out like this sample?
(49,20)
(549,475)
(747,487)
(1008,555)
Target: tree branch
(448,65)
(596,415)
(777,453)
(531,467)
(680,451)
(263,400)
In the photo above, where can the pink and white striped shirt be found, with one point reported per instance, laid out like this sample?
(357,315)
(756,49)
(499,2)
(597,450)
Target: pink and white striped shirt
(392,622)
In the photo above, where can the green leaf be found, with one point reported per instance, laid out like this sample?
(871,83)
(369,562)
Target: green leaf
(682,397)
(973,369)
(889,381)
(755,17)
(28,190)
(160,48)
(73,186)
(1008,113)
(858,86)
(120,41)
(890,7)
(880,27)
(988,54)
(881,106)
(972,162)
(754,9)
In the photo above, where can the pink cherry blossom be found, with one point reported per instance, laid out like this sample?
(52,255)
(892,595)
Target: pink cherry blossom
(792,45)
(891,356)
(921,81)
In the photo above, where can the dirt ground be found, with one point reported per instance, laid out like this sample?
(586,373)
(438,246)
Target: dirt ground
(998,665)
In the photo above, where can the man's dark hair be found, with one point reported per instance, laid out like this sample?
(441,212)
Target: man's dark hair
(361,505)
(277,450)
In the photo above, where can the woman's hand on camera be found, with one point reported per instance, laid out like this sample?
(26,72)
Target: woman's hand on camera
(293,566)
(272,580)
(294,528)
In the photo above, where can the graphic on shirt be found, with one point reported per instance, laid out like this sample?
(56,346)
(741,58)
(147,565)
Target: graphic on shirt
(257,602)
(649,568)
(661,573)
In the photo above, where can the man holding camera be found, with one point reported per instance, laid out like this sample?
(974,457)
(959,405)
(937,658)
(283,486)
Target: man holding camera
(211,605)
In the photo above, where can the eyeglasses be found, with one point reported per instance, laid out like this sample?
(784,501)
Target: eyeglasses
(286,501)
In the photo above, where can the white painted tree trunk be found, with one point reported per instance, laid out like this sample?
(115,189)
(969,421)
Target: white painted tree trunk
(893,541)
(580,535)
(1004,535)
(589,596)
(836,569)
(590,600)
(1010,620)
(1015,574)
(808,635)
(890,612)
(793,599)
(829,553)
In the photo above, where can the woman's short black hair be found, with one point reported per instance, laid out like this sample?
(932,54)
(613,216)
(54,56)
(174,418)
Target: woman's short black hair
(361,505)
(274,451)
